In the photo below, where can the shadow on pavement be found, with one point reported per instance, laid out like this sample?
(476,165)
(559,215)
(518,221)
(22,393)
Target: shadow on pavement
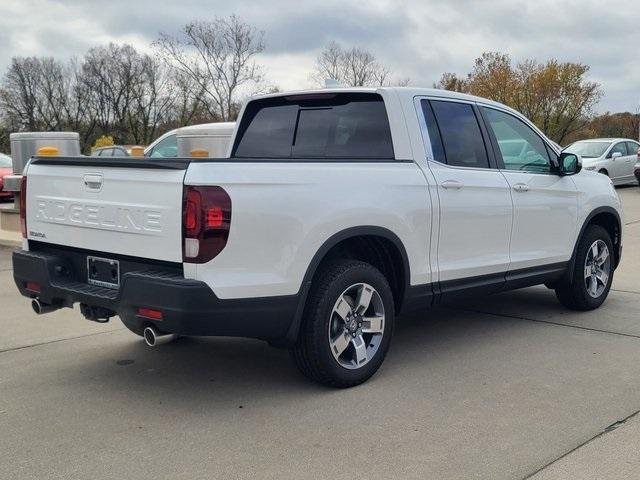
(198,369)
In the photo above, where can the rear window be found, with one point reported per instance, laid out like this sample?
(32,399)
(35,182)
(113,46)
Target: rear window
(459,141)
(322,126)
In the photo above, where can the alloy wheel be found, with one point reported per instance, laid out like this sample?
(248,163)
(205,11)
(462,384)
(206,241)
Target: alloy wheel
(356,326)
(597,268)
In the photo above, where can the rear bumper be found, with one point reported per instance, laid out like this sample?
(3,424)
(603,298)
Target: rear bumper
(189,307)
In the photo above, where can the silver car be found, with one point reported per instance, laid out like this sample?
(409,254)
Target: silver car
(615,157)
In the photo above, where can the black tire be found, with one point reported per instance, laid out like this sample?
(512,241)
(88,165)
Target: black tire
(573,293)
(312,353)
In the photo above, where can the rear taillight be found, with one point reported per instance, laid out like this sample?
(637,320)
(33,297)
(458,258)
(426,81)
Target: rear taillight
(23,206)
(206,218)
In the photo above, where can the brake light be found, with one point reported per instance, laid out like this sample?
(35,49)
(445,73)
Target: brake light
(33,287)
(206,222)
(23,206)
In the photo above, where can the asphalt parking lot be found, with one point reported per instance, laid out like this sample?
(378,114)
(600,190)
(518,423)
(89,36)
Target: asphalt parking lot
(505,387)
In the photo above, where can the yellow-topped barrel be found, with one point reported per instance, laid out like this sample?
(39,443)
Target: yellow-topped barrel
(199,153)
(48,152)
(137,151)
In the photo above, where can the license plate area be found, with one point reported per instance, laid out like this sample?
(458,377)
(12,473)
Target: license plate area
(103,272)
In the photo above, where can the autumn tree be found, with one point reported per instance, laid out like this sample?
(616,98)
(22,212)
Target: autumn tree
(219,56)
(353,67)
(609,125)
(556,96)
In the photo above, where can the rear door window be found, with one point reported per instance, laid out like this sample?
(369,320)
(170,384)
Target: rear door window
(632,148)
(455,134)
(325,126)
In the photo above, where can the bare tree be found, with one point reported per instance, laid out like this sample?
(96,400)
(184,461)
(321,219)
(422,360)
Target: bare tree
(112,74)
(152,101)
(354,67)
(190,103)
(18,97)
(329,64)
(79,115)
(219,55)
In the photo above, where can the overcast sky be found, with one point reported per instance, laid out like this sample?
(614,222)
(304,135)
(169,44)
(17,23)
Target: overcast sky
(417,39)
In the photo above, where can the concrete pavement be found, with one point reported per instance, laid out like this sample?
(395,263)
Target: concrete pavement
(503,387)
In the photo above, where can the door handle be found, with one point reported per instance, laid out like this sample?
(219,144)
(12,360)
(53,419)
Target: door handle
(93,182)
(453,184)
(521,187)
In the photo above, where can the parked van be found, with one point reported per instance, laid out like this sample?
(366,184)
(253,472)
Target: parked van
(213,137)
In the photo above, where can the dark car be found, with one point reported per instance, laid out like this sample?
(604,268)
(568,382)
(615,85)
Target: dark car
(112,151)
(6,168)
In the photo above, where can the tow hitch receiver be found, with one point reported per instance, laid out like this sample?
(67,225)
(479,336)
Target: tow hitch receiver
(96,314)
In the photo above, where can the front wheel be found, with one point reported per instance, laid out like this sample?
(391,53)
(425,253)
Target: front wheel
(590,281)
(347,325)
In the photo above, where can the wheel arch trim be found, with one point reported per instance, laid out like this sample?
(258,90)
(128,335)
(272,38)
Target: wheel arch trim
(587,222)
(325,248)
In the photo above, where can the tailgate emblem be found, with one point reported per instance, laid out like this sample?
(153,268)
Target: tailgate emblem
(92,182)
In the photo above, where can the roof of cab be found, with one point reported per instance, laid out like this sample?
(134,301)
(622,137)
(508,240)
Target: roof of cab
(400,91)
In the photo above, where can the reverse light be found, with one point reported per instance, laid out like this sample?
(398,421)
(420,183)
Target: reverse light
(206,222)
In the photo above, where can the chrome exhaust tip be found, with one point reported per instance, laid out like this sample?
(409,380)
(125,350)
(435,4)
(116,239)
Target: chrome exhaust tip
(153,338)
(42,308)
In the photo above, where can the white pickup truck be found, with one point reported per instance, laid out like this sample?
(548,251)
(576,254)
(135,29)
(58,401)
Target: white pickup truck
(334,211)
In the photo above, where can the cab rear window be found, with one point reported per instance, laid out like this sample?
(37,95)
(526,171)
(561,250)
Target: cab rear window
(316,126)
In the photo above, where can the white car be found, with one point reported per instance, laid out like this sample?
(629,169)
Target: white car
(614,157)
(213,137)
(337,210)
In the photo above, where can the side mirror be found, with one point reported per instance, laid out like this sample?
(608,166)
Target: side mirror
(615,155)
(570,163)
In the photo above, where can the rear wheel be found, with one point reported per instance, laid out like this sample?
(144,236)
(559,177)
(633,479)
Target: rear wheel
(347,325)
(590,280)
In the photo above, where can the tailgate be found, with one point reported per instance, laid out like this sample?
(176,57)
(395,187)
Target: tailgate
(131,207)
